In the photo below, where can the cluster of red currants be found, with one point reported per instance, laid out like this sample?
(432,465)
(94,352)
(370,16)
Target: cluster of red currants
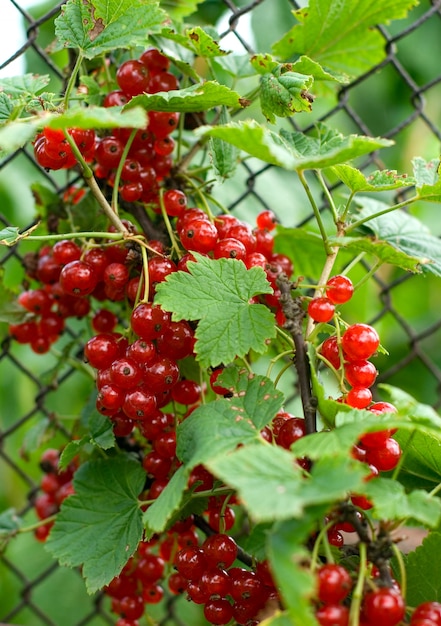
(227,592)
(149,158)
(56,486)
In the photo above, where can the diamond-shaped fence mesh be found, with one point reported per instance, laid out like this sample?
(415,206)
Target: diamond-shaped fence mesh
(399,99)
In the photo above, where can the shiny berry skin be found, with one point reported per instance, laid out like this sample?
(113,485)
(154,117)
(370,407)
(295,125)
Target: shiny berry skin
(199,235)
(109,151)
(360,373)
(321,309)
(132,77)
(220,550)
(266,220)
(155,61)
(290,431)
(104,321)
(149,321)
(334,583)
(230,248)
(339,289)
(65,251)
(165,81)
(190,562)
(161,375)
(427,611)
(139,404)
(329,349)
(78,278)
(383,607)
(385,458)
(175,202)
(359,342)
(333,615)
(116,275)
(177,341)
(125,373)
(186,392)
(218,611)
(359,397)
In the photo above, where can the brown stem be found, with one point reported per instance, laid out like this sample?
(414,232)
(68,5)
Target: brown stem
(294,313)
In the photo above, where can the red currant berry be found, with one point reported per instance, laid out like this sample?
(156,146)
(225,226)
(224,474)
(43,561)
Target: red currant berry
(329,350)
(383,607)
(333,615)
(359,397)
(360,373)
(385,458)
(266,220)
(132,77)
(334,583)
(359,342)
(339,289)
(321,309)
(78,278)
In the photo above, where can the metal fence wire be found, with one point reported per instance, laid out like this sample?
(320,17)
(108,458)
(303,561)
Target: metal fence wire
(41,392)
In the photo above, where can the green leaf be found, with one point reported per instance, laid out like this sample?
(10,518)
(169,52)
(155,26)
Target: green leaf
(381,250)
(288,555)
(254,542)
(23,87)
(406,404)
(101,431)
(15,135)
(178,9)
(256,394)
(284,93)
(217,293)
(223,155)
(100,526)
(6,107)
(169,501)
(10,311)
(220,426)
(428,180)
(305,65)
(107,24)
(10,523)
(71,450)
(272,487)
(403,231)
(99,117)
(380,180)
(425,172)
(423,579)
(267,480)
(196,98)
(341,35)
(203,44)
(423,455)
(391,502)
(328,146)
(295,151)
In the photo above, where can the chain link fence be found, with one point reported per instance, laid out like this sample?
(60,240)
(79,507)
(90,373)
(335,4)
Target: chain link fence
(399,99)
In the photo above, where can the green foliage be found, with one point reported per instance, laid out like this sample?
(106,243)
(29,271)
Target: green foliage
(402,231)
(329,32)
(423,580)
(393,503)
(294,150)
(217,293)
(107,25)
(196,98)
(100,526)
(284,93)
